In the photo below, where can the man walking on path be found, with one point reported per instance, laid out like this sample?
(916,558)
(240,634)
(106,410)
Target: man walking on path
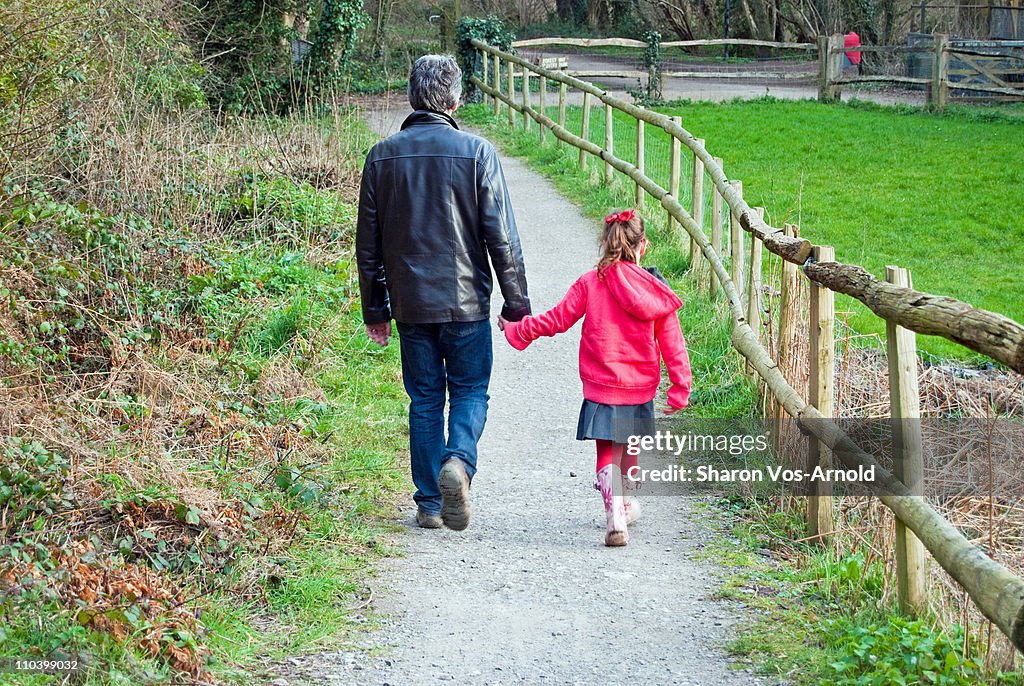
(433,207)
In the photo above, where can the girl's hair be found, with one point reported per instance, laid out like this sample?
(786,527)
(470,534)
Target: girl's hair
(621,239)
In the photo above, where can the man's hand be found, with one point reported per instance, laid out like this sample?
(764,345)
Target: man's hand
(501,323)
(379,333)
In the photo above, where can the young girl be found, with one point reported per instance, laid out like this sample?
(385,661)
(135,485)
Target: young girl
(629,322)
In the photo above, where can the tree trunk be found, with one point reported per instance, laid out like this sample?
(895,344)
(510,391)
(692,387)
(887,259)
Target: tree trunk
(888,12)
(751,21)
(764,28)
(677,14)
(971,20)
(597,13)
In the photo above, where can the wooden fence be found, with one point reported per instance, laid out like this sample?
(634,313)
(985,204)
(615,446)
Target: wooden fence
(960,66)
(998,594)
(956,66)
(685,74)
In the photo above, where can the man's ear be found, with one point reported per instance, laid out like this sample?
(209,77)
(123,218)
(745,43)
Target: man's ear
(452,111)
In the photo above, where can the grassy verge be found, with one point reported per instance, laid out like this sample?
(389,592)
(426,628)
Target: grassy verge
(825,614)
(198,440)
(883,185)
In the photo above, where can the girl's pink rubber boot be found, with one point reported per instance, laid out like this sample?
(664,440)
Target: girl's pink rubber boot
(630,502)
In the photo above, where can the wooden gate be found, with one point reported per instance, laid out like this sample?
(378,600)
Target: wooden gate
(995,68)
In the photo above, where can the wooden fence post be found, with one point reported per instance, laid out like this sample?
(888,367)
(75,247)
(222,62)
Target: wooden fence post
(673,183)
(788,291)
(697,211)
(823,84)
(511,93)
(486,61)
(938,95)
(908,460)
(716,229)
(736,245)
(543,108)
(497,85)
(640,143)
(585,132)
(526,99)
(561,109)
(821,393)
(830,67)
(754,286)
(609,141)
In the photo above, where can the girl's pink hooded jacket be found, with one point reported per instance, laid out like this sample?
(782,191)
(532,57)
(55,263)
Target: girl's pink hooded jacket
(630,323)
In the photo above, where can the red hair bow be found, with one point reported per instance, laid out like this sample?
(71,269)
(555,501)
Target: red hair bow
(623,217)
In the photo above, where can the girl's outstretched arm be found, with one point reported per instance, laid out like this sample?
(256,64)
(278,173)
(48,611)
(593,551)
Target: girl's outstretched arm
(558,319)
(677,360)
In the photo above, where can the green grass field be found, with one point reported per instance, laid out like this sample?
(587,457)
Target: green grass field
(935,194)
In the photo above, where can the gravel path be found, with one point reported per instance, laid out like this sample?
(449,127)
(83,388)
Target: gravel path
(528,594)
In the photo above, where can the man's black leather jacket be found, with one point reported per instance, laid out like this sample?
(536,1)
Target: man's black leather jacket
(432,207)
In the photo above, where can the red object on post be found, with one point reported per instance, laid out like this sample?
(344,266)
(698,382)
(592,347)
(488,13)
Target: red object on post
(852,40)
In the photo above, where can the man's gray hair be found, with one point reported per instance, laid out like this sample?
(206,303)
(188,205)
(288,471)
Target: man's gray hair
(435,83)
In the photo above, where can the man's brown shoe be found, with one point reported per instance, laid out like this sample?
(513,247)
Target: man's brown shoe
(454,483)
(427,520)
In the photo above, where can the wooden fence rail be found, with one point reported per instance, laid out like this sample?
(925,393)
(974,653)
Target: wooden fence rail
(632,43)
(581,42)
(998,594)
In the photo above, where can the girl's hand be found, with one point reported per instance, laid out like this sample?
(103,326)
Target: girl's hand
(669,411)
(501,323)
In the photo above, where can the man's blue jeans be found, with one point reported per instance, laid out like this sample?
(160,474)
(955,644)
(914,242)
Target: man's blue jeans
(457,357)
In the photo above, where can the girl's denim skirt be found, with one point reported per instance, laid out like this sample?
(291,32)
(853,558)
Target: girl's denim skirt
(615,423)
